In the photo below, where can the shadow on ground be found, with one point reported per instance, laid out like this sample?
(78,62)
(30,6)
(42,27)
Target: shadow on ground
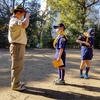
(59,95)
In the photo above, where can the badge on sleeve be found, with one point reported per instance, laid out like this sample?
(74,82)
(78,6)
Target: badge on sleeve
(19,22)
(79,37)
(63,39)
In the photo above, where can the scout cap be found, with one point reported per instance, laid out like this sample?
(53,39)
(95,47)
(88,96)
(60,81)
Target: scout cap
(18,8)
(90,30)
(59,25)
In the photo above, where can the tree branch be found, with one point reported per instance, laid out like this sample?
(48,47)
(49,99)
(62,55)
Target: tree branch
(95,1)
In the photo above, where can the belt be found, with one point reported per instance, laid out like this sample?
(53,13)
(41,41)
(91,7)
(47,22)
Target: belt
(85,47)
(17,44)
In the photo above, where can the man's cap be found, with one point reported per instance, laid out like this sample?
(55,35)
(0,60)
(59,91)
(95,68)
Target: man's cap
(59,25)
(18,8)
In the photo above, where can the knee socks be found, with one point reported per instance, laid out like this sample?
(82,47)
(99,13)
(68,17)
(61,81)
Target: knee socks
(87,70)
(81,71)
(61,74)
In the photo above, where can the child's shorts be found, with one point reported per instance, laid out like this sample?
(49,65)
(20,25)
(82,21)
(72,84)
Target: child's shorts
(86,53)
(63,57)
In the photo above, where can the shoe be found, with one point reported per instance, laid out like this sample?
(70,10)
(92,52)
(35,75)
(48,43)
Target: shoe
(60,82)
(20,88)
(86,76)
(22,83)
(81,75)
(56,80)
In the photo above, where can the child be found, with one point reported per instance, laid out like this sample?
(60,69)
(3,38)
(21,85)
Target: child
(86,41)
(60,46)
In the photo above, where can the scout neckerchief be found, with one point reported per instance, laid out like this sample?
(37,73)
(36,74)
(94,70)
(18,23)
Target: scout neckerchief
(59,34)
(86,34)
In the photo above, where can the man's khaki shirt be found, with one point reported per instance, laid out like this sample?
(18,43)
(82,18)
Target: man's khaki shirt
(16,33)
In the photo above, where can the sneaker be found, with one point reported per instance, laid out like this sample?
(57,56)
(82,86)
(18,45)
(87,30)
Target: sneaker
(56,80)
(86,76)
(81,75)
(22,83)
(60,82)
(20,88)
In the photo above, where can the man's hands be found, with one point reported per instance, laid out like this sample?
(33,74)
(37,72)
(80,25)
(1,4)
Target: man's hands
(25,22)
(27,15)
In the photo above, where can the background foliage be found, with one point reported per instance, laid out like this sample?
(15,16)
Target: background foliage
(77,15)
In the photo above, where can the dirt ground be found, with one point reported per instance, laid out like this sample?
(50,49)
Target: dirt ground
(39,74)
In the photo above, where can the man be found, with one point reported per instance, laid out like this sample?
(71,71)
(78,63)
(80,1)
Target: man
(86,41)
(17,39)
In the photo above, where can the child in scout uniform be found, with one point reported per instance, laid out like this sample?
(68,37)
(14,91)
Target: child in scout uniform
(60,46)
(86,41)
